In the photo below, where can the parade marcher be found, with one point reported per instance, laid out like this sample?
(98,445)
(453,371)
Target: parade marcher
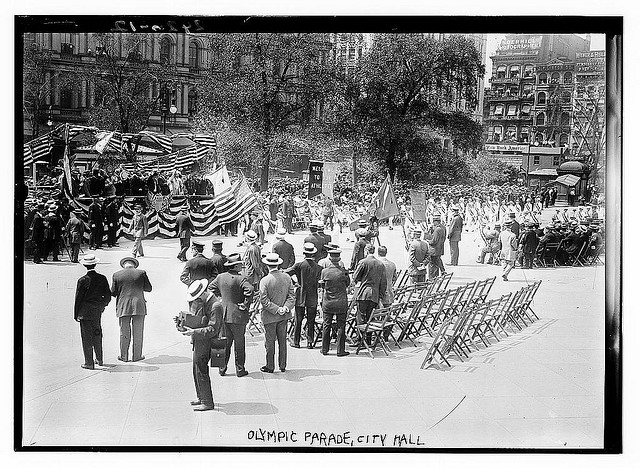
(515,225)
(528,243)
(236,294)
(307,273)
(128,287)
(37,234)
(218,258)
(509,243)
(258,228)
(277,297)
(316,239)
(327,239)
(327,213)
(198,267)
(358,248)
(455,235)
(75,234)
(95,224)
(92,296)
(52,234)
(202,303)
(284,249)
(254,269)
(391,272)
(139,228)
(184,229)
(436,241)
(372,279)
(112,218)
(334,281)
(492,247)
(419,253)
(288,212)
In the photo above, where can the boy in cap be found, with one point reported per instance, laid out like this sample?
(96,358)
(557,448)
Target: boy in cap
(92,296)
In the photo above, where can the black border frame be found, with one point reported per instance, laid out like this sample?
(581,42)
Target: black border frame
(610,25)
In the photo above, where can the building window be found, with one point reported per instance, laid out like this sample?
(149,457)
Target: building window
(165,51)
(566,97)
(536,159)
(540,119)
(514,71)
(528,71)
(542,78)
(565,118)
(194,55)
(501,72)
(192,101)
(542,98)
(66,98)
(555,78)
(497,134)
(66,48)
(568,78)
(512,110)
(499,109)
(564,140)
(556,160)
(524,135)
(526,109)
(511,133)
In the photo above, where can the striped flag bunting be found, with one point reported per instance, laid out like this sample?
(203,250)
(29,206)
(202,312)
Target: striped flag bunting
(234,202)
(161,224)
(208,141)
(184,159)
(41,147)
(27,157)
(164,141)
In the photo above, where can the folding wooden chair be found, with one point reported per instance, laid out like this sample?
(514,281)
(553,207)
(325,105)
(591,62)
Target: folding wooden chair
(478,313)
(434,349)
(511,315)
(394,313)
(594,256)
(453,342)
(401,278)
(579,258)
(406,320)
(482,289)
(465,291)
(548,257)
(255,322)
(527,310)
(374,327)
(491,321)
(442,282)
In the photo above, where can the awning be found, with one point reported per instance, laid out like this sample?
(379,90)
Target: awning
(544,172)
(568,179)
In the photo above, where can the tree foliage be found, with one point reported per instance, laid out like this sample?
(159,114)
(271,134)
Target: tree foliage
(269,82)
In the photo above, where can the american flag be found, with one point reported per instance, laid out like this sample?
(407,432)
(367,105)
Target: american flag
(205,140)
(37,149)
(164,141)
(234,202)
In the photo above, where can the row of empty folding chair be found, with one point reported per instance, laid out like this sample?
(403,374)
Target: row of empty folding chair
(477,322)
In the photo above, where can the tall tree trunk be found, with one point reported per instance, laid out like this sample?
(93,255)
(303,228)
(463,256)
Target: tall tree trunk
(390,161)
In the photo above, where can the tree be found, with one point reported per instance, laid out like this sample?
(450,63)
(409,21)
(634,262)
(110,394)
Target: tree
(410,83)
(271,83)
(37,86)
(122,79)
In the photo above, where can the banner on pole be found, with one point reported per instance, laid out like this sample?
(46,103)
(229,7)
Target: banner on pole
(384,204)
(418,205)
(329,174)
(315,178)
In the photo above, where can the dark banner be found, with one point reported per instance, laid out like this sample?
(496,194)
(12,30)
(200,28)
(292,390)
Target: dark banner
(315,178)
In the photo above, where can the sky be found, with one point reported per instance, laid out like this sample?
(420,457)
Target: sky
(493,40)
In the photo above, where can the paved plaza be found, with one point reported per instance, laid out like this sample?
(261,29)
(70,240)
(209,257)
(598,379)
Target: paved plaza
(539,388)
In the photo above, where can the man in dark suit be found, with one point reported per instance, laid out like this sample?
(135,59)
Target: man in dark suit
(75,233)
(307,273)
(316,239)
(372,277)
(236,294)
(528,244)
(358,248)
(184,228)
(128,287)
(37,234)
(334,281)
(437,242)
(418,257)
(198,267)
(284,249)
(455,235)
(202,303)
(515,225)
(92,296)
(218,259)
(327,240)
(112,218)
(288,211)
(52,234)
(95,224)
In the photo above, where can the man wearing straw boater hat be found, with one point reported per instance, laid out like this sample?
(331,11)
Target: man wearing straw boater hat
(236,293)
(307,273)
(128,287)
(284,249)
(92,296)
(202,303)
(254,269)
(277,297)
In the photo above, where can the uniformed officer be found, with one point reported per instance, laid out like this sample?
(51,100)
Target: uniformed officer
(436,241)
(95,224)
(455,235)
(198,267)
(218,258)
(418,257)
(184,228)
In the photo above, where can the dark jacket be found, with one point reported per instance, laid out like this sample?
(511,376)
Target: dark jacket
(528,241)
(372,277)
(515,228)
(318,241)
(286,253)
(335,281)
(128,287)
(236,293)
(198,267)
(37,228)
(308,274)
(92,296)
(52,227)
(219,259)
(95,214)
(75,231)
(184,226)
(212,318)
(437,239)
(111,213)
(455,228)
(358,252)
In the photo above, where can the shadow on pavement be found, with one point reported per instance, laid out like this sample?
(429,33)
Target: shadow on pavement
(248,408)
(131,368)
(297,375)
(166,359)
